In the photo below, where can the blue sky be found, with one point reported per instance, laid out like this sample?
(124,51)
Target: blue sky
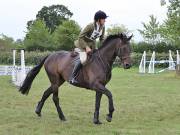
(14,14)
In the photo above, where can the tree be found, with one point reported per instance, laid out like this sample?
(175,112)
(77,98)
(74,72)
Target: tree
(117,28)
(38,37)
(6,43)
(65,35)
(19,44)
(151,32)
(170,30)
(53,16)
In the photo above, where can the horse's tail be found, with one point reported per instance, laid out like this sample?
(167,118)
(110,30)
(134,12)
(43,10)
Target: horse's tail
(24,89)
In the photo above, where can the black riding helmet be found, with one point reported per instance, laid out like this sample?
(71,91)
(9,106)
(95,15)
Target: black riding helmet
(100,15)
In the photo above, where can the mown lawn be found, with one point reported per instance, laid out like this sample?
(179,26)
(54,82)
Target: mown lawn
(144,105)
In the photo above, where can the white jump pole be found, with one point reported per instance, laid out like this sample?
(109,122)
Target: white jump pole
(18,74)
(151,64)
(171,62)
(14,66)
(178,63)
(23,71)
(142,66)
(177,58)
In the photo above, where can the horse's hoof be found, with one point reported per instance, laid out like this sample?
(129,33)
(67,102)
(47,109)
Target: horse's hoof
(38,109)
(95,121)
(38,113)
(63,119)
(108,118)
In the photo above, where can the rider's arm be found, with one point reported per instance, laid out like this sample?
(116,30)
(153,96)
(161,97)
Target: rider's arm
(84,36)
(86,32)
(102,37)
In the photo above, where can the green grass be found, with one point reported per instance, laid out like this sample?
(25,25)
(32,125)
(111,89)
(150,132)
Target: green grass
(144,105)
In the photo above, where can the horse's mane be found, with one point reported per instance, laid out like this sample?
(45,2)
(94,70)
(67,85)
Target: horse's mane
(122,36)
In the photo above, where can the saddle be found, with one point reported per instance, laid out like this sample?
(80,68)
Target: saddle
(75,54)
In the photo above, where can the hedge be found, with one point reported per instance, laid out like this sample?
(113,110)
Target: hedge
(159,47)
(33,58)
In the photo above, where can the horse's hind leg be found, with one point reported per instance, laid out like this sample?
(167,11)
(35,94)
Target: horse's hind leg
(56,99)
(56,102)
(46,94)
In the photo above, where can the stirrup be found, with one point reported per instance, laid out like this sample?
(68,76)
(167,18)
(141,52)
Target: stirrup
(73,81)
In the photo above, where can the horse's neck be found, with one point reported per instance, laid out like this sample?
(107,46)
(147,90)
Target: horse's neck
(107,54)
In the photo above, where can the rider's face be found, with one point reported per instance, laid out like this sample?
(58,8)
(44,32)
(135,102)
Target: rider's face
(102,21)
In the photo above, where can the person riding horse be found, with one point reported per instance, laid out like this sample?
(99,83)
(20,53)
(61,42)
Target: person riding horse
(87,42)
(94,76)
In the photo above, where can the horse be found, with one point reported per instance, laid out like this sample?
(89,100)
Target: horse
(59,66)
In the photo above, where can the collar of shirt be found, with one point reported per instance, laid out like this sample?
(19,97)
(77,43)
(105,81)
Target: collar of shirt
(98,27)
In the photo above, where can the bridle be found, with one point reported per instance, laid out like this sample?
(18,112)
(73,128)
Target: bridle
(103,63)
(119,53)
(106,66)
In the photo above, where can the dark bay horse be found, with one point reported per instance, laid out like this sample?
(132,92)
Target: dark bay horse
(94,75)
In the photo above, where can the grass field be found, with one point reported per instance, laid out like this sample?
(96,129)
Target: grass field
(144,105)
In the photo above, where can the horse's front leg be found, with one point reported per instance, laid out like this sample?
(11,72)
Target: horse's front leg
(111,106)
(101,88)
(97,106)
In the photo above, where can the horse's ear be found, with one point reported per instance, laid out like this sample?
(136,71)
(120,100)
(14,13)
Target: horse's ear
(129,38)
(121,35)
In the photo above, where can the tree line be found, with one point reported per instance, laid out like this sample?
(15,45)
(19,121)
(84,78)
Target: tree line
(167,32)
(53,29)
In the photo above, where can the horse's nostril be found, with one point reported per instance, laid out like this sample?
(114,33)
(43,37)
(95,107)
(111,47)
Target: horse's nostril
(127,66)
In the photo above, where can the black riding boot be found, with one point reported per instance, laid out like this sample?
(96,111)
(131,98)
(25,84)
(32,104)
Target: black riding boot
(76,69)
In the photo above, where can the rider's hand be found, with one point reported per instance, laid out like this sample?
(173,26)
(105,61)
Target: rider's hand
(88,49)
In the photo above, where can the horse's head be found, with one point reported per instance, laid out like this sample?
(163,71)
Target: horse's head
(123,50)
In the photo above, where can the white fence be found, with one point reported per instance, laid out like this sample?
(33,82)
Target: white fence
(152,62)
(18,73)
(7,70)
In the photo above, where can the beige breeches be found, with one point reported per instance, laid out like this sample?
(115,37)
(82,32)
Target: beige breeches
(82,55)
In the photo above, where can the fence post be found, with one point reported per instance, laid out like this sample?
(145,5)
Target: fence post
(178,64)
(171,62)
(23,70)
(14,66)
(142,66)
(151,64)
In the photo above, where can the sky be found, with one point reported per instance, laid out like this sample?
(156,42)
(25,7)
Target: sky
(14,14)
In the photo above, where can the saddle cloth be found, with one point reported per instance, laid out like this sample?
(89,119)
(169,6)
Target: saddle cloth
(82,55)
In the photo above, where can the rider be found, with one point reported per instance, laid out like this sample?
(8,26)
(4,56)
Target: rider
(87,41)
